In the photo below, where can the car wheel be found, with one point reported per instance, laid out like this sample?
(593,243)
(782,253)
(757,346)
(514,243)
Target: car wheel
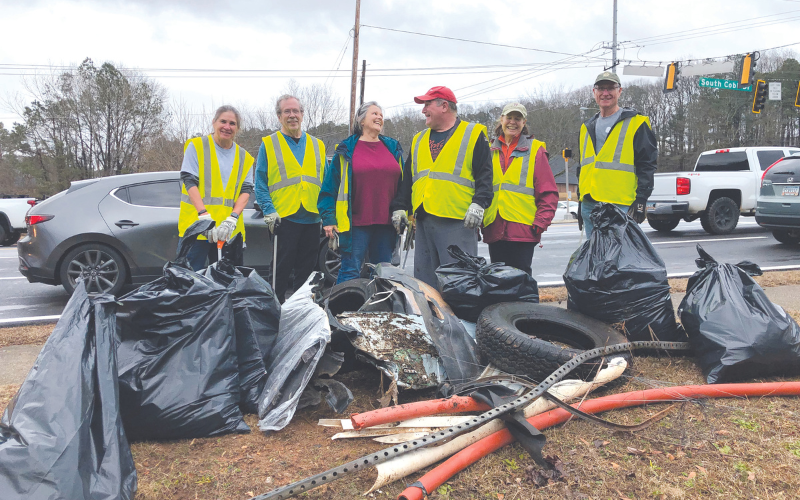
(329,263)
(663,225)
(721,217)
(102,268)
(787,237)
(3,233)
(11,238)
(535,340)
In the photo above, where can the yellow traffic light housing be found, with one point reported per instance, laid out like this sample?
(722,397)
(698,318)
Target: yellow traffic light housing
(759,96)
(747,70)
(671,78)
(797,97)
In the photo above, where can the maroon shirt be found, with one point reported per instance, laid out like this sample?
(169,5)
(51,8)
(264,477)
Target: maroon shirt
(375,177)
(545,192)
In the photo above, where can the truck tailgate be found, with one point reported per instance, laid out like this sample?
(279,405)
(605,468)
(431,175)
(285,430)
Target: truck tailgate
(664,186)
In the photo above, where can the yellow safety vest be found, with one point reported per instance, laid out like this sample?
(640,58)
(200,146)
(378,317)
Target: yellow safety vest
(513,190)
(218,198)
(445,187)
(610,175)
(343,197)
(291,184)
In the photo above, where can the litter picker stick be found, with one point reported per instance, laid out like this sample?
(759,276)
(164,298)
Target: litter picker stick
(219,250)
(274,259)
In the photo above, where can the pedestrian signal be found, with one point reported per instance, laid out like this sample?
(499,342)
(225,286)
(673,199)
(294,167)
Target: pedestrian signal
(759,96)
(672,77)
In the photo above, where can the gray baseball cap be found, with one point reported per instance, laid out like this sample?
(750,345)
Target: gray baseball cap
(608,76)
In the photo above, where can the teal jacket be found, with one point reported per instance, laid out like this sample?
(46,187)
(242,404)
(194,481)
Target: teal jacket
(326,203)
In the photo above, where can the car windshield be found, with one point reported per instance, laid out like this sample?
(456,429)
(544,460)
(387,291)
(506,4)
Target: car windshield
(722,162)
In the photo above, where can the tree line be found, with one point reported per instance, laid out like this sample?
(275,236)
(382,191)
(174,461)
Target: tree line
(98,121)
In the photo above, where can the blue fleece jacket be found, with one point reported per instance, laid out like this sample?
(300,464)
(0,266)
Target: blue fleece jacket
(326,203)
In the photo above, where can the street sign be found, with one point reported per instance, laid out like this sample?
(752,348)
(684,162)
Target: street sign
(719,83)
(774,91)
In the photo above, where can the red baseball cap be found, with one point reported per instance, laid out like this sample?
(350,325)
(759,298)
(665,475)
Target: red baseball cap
(436,93)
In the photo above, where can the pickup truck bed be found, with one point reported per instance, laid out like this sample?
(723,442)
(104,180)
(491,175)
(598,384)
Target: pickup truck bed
(12,219)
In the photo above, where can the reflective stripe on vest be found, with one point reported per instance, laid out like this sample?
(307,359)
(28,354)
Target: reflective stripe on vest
(219,207)
(609,175)
(514,197)
(445,186)
(288,180)
(343,197)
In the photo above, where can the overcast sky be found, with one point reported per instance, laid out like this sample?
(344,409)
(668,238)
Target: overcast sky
(304,40)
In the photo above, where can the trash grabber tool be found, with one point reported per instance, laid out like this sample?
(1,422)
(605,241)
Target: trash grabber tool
(219,250)
(274,259)
(410,230)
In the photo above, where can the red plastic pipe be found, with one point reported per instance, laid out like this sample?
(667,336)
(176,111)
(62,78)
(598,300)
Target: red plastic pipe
(489,444)
(399,413)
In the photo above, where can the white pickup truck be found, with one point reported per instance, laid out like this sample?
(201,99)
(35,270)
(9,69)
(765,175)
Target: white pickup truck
(723,185)
(12,219)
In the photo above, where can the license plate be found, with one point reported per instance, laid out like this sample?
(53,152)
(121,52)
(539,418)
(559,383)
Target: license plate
(791,191)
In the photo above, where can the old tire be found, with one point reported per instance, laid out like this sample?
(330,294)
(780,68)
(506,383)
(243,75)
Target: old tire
(663,225)
(349,296)
(102,268)
(721,217)
(517,338)
(328,263)
(787,237)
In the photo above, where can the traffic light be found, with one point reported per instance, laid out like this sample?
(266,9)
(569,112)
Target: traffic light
(759,96)
(747,70)
(797,97)
(672,78)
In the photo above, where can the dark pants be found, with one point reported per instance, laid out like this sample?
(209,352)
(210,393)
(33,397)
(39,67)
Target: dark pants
(433,236)
(517,254)
(377,240)
(298,249)
(200,251)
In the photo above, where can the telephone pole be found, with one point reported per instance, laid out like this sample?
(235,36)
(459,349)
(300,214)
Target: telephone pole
(354,75)
(614,42)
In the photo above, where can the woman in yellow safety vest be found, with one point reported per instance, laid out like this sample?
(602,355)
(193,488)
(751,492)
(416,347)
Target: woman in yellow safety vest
(525,192)
(216,182)
(359,186)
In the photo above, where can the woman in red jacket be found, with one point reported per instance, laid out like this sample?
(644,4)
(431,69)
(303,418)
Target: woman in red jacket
(525,192)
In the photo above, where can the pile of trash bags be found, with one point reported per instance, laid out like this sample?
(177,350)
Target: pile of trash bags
(62,436)
(193,347)
(470,284)
(735,330)
(618,277)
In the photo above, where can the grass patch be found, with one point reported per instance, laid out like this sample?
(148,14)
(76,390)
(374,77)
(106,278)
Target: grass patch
(23,335)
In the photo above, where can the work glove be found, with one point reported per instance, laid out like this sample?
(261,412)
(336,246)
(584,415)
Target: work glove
(638,210)
(211,233)
(474,216)
(226,228)
(272,221)
(333,241)
(580,217)
(399,220)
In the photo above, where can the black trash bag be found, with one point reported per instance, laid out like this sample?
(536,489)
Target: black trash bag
(618,277)
(303,336)
(735,330)
(470,284)
(61,437)
(178,368)
(256,315)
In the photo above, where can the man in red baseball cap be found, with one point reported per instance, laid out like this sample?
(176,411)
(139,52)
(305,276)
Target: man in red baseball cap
(447,184)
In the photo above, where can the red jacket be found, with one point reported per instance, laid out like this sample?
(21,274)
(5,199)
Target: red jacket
(545,192)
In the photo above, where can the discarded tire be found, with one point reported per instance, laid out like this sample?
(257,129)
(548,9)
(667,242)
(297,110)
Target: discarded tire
(518,337)
(349,296)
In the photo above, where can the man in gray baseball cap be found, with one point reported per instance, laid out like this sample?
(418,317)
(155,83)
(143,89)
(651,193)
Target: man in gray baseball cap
(618,155)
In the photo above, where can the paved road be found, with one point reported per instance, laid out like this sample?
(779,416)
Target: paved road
(18,298)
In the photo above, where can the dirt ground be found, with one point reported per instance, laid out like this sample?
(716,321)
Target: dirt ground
(732,448)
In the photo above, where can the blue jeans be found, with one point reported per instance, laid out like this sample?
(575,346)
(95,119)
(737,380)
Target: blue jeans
(587,205)
(378,240)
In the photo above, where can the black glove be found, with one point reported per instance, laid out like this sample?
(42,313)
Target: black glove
(580,217)
(638,210)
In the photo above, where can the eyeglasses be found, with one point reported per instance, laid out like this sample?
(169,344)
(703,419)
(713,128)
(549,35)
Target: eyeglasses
(606,89)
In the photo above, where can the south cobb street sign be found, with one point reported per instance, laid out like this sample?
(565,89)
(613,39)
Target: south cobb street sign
(719,83)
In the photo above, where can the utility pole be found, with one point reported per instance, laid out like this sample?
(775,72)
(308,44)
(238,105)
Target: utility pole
(613,42)
(363,70)
(354,75)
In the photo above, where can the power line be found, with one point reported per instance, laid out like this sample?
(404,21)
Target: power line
(719,32)
(469,41)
